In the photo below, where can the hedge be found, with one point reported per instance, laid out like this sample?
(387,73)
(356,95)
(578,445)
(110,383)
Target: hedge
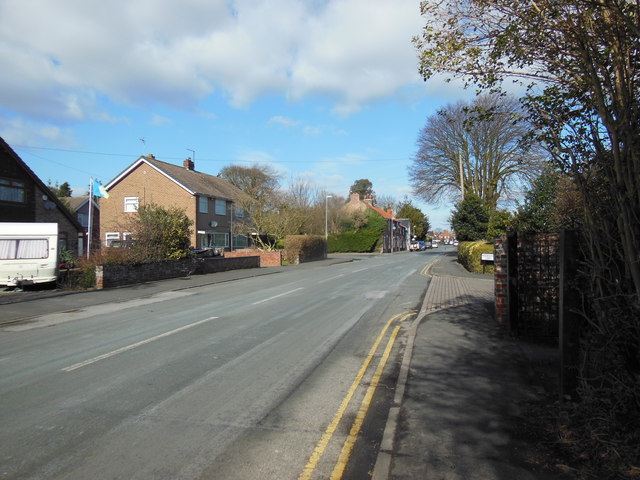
(470,254)
(304,248)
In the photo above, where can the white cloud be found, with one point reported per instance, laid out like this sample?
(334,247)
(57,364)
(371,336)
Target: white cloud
(283,121)
(159,120)
(66,55)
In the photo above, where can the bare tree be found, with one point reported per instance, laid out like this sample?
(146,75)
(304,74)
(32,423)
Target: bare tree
(486,142)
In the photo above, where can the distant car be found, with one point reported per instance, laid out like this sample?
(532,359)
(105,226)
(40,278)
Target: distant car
(455,243)
(414,246)
(422,245)
(434,244)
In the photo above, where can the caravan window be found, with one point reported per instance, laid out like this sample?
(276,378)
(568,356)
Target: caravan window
(24,248)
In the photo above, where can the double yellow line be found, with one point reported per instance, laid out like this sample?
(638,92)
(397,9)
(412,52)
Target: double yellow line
(364,407)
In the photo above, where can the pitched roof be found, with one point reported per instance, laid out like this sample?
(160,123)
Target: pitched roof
(196,183)
(51,196)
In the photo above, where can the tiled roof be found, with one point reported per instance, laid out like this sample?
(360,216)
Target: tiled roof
(197,183)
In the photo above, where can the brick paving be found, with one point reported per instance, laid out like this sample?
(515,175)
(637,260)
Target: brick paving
(447,291)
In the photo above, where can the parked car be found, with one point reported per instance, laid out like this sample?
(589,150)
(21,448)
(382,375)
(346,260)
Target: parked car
(434,244)
(414,246)
(422,245)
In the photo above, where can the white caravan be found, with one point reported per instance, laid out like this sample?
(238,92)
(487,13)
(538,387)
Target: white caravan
(28,253)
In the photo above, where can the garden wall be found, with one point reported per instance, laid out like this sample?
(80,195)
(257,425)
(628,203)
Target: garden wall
(271,258)
(115,275)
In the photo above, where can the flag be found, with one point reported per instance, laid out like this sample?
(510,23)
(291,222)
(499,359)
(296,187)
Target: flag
(99,190)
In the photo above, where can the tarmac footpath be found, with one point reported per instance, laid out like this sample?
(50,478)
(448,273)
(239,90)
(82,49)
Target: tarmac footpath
(458,410)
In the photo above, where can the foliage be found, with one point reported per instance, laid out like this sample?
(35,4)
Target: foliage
(301,248)
(470,219)
(259,181)
(499,223)
(364,187)
(486,141)
(470,255)
(160,233)
(581,59)
(365,239)
(552,203)
(60,191)
(419,221)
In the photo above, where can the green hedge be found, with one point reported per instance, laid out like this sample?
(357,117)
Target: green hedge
(470,254)
(364,240)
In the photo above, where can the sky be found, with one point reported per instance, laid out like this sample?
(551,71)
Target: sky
(327,91)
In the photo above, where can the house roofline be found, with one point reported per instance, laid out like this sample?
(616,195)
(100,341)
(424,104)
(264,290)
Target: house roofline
(52,196)
(135,165)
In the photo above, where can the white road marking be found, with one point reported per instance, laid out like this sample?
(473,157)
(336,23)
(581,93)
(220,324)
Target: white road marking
(277,296)
(134,345)
(332,278)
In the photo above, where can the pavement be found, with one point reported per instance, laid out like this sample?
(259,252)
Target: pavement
(459,407)
(458,411)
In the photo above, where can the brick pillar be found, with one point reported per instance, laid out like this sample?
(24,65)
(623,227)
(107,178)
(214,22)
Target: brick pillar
(500,277)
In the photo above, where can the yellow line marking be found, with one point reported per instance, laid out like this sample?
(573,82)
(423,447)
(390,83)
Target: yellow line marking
(75,366)
(312,463)
(350,441)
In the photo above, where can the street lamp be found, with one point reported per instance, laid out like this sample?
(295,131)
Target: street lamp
(326,228)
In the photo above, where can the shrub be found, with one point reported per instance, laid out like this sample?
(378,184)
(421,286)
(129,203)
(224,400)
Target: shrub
(470,254)
(364,240)
(304,248)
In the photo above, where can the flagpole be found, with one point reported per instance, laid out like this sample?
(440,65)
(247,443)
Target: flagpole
(89,228)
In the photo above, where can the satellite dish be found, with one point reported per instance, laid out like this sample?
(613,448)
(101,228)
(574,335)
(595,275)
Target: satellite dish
(213,223)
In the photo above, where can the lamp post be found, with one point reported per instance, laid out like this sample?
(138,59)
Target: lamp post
(326,227)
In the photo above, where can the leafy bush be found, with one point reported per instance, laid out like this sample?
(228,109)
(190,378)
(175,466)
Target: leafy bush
(364,240)
(160,233)
(470,255)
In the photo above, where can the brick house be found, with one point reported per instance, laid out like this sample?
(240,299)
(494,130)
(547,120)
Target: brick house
(395,236)
(207,200)
(25,198)
(80,207)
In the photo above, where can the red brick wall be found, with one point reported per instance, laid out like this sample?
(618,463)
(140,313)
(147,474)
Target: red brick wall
(501,284)
(267,259)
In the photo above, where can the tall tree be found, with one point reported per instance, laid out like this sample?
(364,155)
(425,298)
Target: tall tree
(470,219)
(362,186)
(257,181)
(485,141)
(419,221)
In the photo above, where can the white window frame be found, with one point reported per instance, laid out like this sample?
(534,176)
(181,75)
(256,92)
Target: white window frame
(203,204)
(239,211)
(110,237)
(131,204)
(221,206)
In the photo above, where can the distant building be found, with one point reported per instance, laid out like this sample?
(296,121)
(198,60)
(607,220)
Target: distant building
(25,198)
(395,236)
(80,207)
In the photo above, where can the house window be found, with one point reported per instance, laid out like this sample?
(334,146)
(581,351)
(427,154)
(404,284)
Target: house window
(12,190)
(28,248)
(83,219)
(221,207)
(239,212)
(214,240)
(240,241)
(130,204)
(62,240)
(109,237)
(203,204)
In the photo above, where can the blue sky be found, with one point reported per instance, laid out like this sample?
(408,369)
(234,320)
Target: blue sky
(327,91)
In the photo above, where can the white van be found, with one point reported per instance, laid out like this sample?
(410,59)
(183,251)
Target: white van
(28,253)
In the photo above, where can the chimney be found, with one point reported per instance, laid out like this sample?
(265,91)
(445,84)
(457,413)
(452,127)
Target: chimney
(188,164)
(390,212)
(355,197)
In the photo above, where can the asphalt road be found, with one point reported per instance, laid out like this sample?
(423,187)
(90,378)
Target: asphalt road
(264,377)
